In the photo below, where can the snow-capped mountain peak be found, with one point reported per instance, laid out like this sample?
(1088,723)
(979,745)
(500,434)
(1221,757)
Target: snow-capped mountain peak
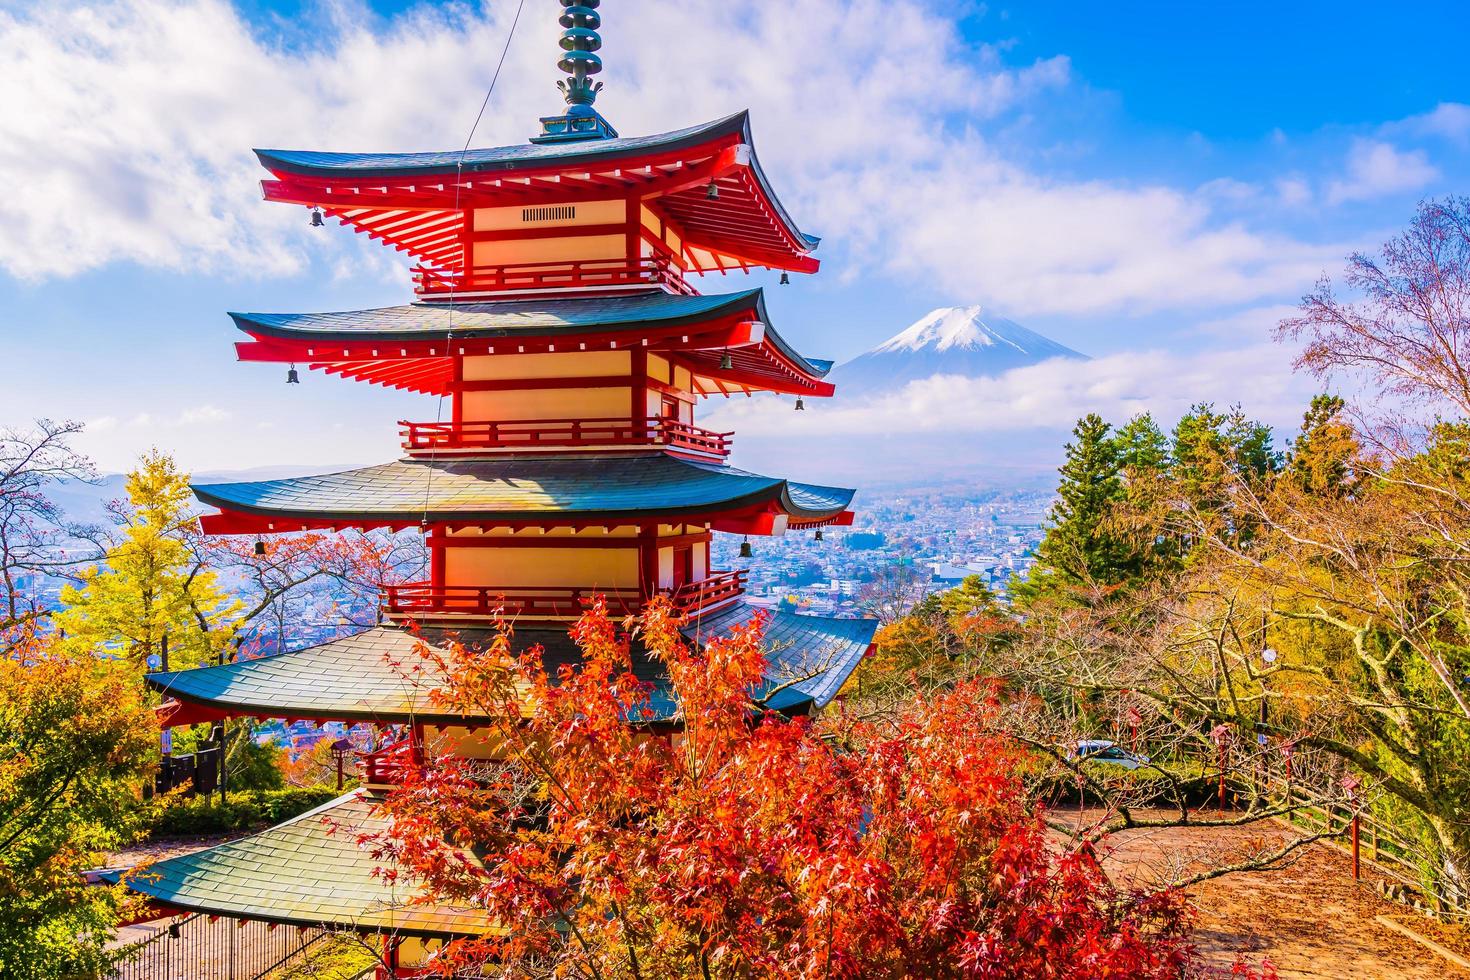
(957,340)
(967,327)
(954,326)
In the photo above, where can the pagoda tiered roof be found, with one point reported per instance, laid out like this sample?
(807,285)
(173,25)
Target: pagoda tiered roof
(523,490)
(410,346)
(378,675)
(308,871)
(417,202)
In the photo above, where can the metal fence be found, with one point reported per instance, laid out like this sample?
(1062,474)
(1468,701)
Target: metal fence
(199,947)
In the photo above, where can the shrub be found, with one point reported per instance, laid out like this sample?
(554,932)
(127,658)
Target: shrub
(1197,784)
(248,810)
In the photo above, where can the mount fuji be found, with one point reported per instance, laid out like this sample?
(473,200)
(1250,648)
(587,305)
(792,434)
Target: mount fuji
(962,340)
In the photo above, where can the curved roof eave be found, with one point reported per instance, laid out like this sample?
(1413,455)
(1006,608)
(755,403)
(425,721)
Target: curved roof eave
(540,317)
(529,156)
(354,678)
(312,163)
(535,316)
(512,489)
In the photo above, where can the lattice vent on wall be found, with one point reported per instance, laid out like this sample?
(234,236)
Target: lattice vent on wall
(561,212)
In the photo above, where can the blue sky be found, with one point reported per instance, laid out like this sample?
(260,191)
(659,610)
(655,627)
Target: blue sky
(1153,184)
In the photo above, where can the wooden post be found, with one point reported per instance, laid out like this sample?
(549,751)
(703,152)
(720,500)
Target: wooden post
(1357,875)
(1222,776)
(340,757)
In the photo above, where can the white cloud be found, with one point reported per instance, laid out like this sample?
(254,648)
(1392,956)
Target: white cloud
(127,125)
(1045,397)
(1448,120)
(1377,169)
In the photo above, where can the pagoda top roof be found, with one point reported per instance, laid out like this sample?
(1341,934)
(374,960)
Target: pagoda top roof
(415,201)
(524,489)
(308,871)
(700,328)
(376,676)
(499,158)
(519,157)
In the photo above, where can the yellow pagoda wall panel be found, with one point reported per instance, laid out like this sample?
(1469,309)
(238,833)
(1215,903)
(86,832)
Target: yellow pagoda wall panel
(568,364)
(415,952)
(701,561)
(665,568)
(569,249)
(531,568)
(658,368)
(550,537)
(465,743)
(551,403)
(583,213)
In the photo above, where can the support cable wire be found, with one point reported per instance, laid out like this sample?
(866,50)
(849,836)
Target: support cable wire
(465,259)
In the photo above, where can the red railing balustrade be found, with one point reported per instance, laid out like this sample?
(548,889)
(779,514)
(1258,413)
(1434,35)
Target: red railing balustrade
(417,598)
(564,434)
(421,599)
(550,276)
(715,589)
(387,765)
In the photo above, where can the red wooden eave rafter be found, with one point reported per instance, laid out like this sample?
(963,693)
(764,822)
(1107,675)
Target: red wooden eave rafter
(427,366)
(759,519)
(424,214)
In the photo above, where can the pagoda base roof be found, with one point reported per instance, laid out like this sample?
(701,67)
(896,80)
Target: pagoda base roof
(308,871)
(583,488)
(379,676)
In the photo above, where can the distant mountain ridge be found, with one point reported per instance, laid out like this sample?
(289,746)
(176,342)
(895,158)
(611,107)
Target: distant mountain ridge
(962,340)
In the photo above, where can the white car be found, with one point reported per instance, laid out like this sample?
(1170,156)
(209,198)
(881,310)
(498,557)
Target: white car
(1101,750)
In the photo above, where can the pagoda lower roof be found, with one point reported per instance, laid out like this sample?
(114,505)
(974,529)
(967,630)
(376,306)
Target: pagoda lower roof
(378,675)
(406,346)
(525,490)
(417,201)
(309,871)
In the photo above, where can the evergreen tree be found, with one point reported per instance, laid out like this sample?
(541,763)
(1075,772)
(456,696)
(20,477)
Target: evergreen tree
(150,586)
(1143,449)
(1199,466)
(1323,455)
(1079,547)
(1250,446)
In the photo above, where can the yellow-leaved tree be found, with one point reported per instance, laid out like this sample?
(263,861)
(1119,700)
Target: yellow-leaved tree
(152,587)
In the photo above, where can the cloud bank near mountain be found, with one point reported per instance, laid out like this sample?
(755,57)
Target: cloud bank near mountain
(1015,420)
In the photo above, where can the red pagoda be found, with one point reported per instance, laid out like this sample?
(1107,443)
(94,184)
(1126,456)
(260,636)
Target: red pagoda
(556,316)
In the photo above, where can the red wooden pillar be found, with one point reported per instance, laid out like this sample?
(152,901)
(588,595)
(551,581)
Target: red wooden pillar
(639,385)
(647,561)
(416,743)
(456,398)
(438,547)
(633,220)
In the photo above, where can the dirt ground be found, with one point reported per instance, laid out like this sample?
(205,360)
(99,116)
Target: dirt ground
(1309,919)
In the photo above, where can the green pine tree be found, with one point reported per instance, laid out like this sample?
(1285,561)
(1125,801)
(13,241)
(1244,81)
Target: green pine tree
(1323,456)
(1080,548)
(1143,449)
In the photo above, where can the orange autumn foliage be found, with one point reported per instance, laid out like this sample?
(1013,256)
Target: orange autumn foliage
(747,844)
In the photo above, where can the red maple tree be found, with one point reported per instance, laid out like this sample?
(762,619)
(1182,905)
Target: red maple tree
(723,840)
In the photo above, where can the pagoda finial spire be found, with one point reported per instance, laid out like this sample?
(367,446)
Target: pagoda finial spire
(580,43)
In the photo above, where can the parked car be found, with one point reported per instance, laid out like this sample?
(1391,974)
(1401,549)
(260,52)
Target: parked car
(1102,750)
